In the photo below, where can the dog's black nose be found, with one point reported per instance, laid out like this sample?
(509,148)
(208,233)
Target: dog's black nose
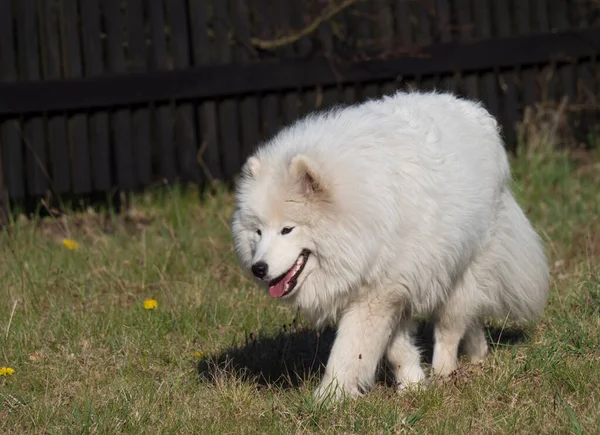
(259,269)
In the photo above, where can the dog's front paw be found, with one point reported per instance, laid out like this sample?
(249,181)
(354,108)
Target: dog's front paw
(413,385)
(331,390)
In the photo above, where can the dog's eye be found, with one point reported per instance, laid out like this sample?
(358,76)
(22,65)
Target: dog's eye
(286,230)
(259,232)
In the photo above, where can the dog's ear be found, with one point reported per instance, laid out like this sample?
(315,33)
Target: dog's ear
(251,168)
(310,180)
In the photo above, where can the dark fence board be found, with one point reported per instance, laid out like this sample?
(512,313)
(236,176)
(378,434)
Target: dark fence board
(98,121)
(4,212)
(364,33)
(207,111)
(546,78)
(289,98)
(403,23)
(587,90)
(249,105)
(465,30)
(510,114)
(384,27)
(227,109)
(57,124)
(423,10)
(445,25)
(33,127)
(330,94)
(489,82)
(404,29)
(560,21)
(10,130)
(530,93)
(228,80)
(263,27)
(140,117)
(10,149)
(305,47)
(185,131)
(541,15)
(121,118)
(164,114)
(349,92)
(78,123)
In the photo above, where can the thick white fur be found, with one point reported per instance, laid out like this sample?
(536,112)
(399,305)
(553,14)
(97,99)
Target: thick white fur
(405,206)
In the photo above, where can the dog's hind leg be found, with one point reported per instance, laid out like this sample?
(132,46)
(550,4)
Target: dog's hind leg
(474,343)
(404,357)
(453,320)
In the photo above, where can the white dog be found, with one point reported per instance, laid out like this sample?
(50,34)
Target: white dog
(371,215)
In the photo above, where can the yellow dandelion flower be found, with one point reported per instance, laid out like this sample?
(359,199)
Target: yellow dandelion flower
(6,371)
(198,354)
(150,304)
(71,245)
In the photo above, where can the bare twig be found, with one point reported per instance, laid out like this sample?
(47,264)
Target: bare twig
(330,12)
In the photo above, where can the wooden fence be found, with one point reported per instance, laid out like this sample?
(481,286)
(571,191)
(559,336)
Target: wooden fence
(105,95)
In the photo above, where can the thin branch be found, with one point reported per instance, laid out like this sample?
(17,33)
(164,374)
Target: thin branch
(329,13)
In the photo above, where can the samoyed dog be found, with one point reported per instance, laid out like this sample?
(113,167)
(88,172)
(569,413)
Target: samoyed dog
(372,215)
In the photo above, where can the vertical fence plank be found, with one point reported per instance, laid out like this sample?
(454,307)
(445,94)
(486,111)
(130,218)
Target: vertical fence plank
(541,15)
(4,219)
(33,129)
(330,94)
(403,24)
(249,107)
(560,22)
(465,30)
(364,33)
(405,30)
(528,86)
(185,131)
(422,12)
(445,24)
(57,123)
(140,117)
(269,104)
(229,137)
(547,76)
(283,11)
(164,115)
(385,36)
(207,111)
(587,91)
(99,127)
(350,90)
(489,82)
(121,118)
(511,108)
(444,21)
(77,123)
(304,49)
(10,130)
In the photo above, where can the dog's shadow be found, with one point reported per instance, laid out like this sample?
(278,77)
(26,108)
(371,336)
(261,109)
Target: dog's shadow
(296,355)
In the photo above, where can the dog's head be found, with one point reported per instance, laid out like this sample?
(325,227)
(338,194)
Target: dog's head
(274,221)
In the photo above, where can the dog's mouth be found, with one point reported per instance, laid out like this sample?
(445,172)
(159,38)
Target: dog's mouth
(284,284)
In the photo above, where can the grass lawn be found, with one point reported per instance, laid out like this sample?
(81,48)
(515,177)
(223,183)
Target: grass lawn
(216,355)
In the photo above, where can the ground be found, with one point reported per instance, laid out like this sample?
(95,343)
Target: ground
(217,355)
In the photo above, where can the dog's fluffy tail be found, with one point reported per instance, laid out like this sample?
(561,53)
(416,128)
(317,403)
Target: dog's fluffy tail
(513,268)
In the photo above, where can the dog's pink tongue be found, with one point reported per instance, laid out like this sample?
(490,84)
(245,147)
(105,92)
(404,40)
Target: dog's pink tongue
(278,289)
